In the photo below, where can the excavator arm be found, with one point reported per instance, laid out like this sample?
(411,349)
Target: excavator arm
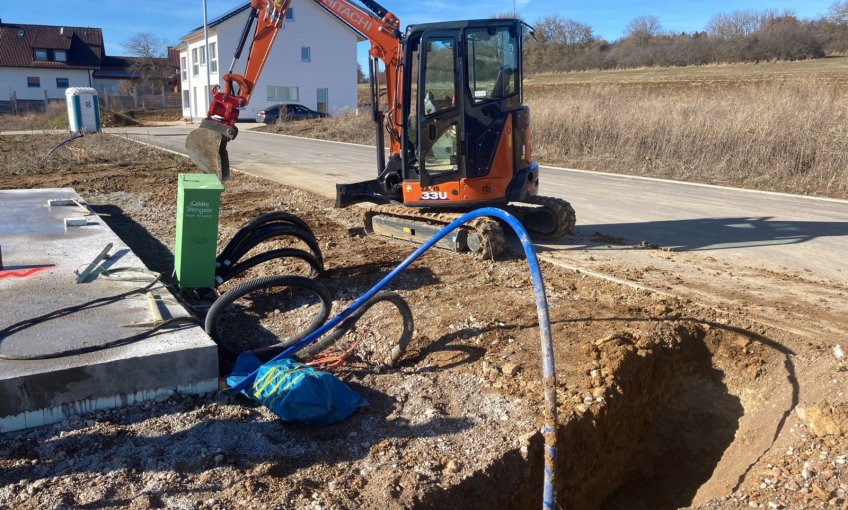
(207,146)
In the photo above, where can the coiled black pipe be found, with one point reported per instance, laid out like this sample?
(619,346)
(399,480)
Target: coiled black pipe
(262,228)
(394,298)
(225,273)
(213,316)
(269,232)
(276,224)
(246,230)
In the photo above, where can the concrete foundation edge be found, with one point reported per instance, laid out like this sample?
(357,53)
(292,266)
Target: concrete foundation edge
(47,416)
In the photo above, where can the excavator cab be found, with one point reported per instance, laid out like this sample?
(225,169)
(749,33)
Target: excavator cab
(465,138)
(470,120)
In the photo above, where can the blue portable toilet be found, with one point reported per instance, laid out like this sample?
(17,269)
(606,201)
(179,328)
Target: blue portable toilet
(83,110)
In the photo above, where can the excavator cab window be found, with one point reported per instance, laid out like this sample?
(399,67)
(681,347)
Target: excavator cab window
(492,63)
(438,118)
(412,119)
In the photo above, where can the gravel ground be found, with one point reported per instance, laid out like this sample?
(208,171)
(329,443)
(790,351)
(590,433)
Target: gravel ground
(663,403)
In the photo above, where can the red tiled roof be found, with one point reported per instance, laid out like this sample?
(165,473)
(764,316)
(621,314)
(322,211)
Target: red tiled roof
(84,46)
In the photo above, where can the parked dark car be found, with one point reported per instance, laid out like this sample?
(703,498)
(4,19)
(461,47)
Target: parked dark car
(290,112)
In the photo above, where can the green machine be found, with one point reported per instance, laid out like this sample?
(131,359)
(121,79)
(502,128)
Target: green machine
(195,248)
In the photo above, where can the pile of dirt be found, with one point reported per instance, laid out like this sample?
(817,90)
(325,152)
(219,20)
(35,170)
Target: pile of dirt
(112,118)
(156,115)
(662,403)
(142,117)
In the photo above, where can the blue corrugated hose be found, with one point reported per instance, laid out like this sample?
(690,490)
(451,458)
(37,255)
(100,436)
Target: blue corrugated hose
(548,371)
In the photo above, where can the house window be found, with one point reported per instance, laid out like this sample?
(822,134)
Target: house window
(323,100)
(282,93)
(195,68)
(39,54)
(183,68)
(290,14)
(33,82)
(186,99)
(62,83)
(213,57)
(305,54)
(60,55)
(202,51)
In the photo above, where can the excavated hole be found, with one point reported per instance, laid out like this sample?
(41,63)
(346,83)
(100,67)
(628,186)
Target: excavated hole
(667,420)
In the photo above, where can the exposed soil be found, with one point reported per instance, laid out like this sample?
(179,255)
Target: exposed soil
(663,403)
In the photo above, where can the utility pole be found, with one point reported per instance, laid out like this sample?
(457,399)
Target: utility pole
(206,52)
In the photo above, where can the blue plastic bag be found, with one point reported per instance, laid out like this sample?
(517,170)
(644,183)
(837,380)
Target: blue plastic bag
(296,392)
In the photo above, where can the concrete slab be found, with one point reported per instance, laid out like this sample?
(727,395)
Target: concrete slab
(40,254)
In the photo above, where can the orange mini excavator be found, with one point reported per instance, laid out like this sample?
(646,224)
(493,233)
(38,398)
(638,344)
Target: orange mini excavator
(459,134)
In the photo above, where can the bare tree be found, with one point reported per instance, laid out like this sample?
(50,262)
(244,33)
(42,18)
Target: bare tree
(556,41)
(643,27)
(838,12)
(151,67)
(563,31)
(739,23)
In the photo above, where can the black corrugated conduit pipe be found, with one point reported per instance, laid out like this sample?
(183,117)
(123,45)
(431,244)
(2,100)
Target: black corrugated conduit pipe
(265,227)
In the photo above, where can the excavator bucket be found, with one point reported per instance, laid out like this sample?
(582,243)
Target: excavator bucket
(207,147)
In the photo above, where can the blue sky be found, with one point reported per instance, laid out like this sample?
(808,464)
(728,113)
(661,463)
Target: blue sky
(170,19)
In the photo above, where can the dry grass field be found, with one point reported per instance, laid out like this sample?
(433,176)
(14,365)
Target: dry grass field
(778,126)
(55,117)
(831,68)
(775,126)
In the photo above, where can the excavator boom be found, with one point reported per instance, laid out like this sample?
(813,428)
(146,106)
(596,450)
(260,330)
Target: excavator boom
(207,145)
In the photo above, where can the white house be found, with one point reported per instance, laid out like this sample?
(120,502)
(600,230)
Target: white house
(38,62)
(312,62)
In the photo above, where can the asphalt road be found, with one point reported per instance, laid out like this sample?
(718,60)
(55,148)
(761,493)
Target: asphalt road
(785,237)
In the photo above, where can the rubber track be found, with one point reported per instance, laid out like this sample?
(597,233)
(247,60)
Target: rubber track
(488,229)
(559,208)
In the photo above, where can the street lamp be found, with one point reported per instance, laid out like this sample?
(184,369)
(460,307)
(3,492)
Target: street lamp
(206,53)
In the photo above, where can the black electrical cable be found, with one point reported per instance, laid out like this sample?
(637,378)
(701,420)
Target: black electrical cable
(226,273)
(73,137)
(62,312)
(313,349)
(227,260)
(213,316)
(269,232)
(276,218)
